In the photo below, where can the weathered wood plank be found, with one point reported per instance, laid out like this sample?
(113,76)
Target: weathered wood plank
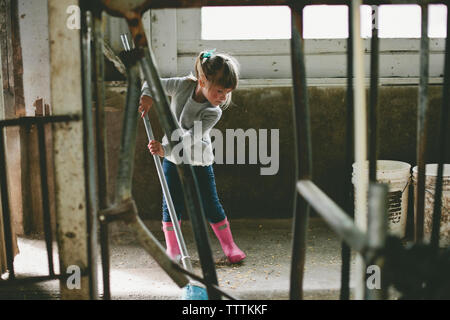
(70,192)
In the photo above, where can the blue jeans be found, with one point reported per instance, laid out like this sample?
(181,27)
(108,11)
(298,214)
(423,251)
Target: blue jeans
(205,177)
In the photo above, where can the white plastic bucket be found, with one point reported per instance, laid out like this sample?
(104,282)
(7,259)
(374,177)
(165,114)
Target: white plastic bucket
(430,183)
(397,175)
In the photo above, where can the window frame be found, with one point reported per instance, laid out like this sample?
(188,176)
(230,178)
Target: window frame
(176,41)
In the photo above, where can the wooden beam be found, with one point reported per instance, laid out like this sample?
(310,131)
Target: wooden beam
(70,195)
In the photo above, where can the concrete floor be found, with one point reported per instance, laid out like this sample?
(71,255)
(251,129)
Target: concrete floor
(263,275)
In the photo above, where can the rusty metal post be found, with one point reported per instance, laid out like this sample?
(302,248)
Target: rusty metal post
(89,147)
(376,226)
(68,150)
(303,154)
(422,126)
(100,138)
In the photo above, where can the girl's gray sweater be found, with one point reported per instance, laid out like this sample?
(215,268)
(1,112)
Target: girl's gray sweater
(195,120)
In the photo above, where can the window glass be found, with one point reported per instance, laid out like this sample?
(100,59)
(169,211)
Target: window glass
(320,22)
(246,22)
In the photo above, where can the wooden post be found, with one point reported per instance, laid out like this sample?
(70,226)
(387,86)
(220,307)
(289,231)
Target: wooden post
(14,106)
(70,195)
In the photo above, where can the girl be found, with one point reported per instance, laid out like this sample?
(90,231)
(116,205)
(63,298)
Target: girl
(197,103)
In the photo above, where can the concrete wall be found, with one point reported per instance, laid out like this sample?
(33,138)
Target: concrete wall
(246,193)
(35,52)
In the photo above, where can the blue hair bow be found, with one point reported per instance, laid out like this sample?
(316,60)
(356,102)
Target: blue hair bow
(209,53)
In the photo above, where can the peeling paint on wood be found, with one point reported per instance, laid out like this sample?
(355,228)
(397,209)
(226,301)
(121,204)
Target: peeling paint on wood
(66,93)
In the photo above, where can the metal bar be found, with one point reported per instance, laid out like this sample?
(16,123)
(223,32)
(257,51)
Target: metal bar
(443,143)
(99,94)
(29,121)
(7,228)
(192,196)
(303,162)
(125,42)
(45,195)
(301,116)
(36,279)
(89,149)
(377,225)
(185,258)
(373,107)
(300,224)
(344,293)
(30,280)
(129,133)
(422,126)
(347,186)
(104,251)
(100,134)
(121,8)
(337,219)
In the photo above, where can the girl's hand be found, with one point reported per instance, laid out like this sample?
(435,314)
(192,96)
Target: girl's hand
(155,147)
(145,104)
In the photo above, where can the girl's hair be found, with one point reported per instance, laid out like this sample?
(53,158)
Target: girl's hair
(219,69)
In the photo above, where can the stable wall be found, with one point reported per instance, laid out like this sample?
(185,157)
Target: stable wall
(246,193)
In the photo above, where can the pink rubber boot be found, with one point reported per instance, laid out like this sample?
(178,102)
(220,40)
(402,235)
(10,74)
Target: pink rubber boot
(223,233)
(173,250)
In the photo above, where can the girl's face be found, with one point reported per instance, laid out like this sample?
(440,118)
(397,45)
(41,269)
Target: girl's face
(216,95)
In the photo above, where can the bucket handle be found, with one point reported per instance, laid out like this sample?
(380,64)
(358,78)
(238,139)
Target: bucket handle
(407,184)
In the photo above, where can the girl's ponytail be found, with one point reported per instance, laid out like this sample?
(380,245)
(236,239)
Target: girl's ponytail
(219,69)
